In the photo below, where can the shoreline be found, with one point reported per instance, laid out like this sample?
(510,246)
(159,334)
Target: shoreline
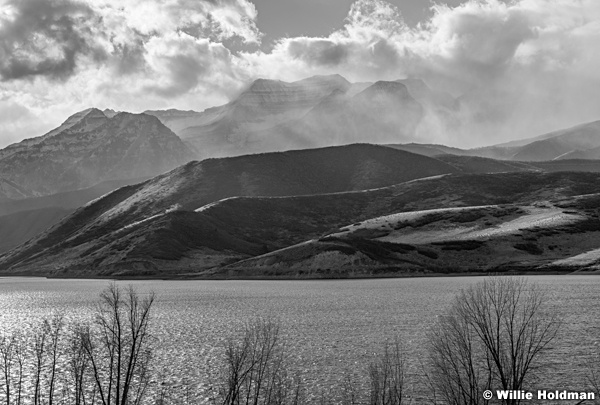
(184,277)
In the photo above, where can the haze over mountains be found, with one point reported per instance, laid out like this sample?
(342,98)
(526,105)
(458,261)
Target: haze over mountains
(319,111)
(328,110)
(93,146)
(328,209)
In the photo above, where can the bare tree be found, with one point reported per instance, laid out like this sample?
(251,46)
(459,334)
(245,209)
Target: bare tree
(255,370)
(78,366)
(39,349)
(117,346)
(7,359)
(493,336)
(387,374)
(54,329)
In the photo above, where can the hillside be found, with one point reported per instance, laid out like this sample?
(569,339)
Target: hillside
(578,142)
(560,235)
(66,200)
(180,240)
(196,184)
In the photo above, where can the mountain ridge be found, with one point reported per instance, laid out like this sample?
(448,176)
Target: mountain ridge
(121,237)
(193,185)
(89,148)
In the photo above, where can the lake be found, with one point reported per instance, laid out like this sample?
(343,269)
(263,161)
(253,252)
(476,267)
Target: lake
(330,326)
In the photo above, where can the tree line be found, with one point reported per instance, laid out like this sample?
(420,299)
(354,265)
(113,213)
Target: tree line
(494,336)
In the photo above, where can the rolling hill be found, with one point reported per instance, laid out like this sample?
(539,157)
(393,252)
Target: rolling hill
(196,184)
(560,235)
(99,239)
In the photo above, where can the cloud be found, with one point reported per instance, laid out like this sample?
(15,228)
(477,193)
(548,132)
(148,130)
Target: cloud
(216,20)
(520,68)
(180,62)
(52,38)
(15,119)
(44,37)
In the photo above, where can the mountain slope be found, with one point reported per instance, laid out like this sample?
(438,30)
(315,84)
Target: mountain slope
(10,191)
(352,167)
(382,112)
(224,130)
(92,148)
(91,117)
(101,239)
(569,143)
(67,200)
(578,142)
(318,111)
(18,228)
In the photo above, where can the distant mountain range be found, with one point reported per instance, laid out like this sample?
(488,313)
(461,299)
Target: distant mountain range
(319,111)
(578,142)
(328,110)
(176,193)
(93,146)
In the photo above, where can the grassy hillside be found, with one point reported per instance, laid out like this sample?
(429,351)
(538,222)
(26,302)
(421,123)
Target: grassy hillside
(180,241)
(305,172)
(554,236)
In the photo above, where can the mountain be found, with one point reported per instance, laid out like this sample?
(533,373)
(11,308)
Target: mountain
(10,191)
(223,131)
(67,200)
(99,236)
(426,96)
(382,112)
(22,219)
(85,120)
(578,142)
(132,232)
(271,115)
(90,148)
(385,111)
(178,120)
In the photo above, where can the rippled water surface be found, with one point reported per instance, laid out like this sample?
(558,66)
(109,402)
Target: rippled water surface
(330,326)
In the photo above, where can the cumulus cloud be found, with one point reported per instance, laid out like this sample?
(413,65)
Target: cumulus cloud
(42,37)
(520,68)
(52,38)
(180,61)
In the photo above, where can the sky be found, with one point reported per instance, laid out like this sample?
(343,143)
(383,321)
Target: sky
(520,67)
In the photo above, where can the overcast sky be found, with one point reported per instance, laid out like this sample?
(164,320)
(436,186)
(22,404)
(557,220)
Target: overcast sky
(524,66)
